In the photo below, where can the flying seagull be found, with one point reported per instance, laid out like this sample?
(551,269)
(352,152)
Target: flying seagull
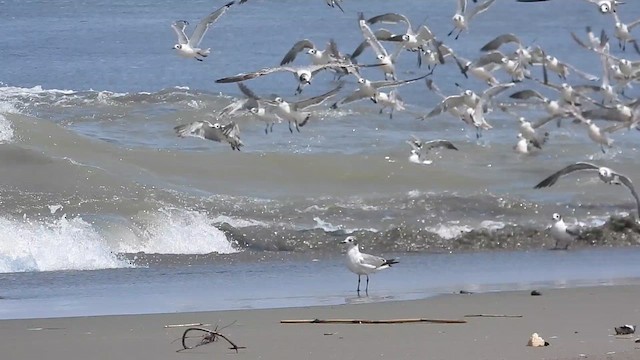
(605,174)
(229,133)
(189,47)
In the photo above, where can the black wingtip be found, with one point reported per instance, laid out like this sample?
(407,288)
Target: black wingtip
(390,262)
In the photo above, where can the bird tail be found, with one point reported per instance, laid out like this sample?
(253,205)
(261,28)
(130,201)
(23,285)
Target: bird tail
(389,262)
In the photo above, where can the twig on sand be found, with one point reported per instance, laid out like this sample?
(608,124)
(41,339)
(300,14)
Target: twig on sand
(364,321)
(494,315)
(185,325)
(208,337)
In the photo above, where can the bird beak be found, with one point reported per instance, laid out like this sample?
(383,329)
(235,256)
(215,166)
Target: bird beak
(343,242)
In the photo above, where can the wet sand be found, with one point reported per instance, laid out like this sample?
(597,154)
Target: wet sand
(578,323)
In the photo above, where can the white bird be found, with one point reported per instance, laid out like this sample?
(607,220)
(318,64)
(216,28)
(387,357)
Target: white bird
(524,146)
(293,112)
(605,174)
(623,31)
(260,108)
(385,60)
(420,149)
(318,57)
(335,3)
(561,233)
(390,100)
(203,129)
(303,74)
(364,264)
(189,47)
(462,17)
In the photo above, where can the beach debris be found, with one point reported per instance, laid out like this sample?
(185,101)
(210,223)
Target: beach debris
(185,325)
(494,315)
(365,321)
(536,341)
(625,329)
(465,292)
(637,341)
(45,328)
(536,293)
(206,336)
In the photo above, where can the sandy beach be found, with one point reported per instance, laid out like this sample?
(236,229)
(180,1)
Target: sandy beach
(578,323)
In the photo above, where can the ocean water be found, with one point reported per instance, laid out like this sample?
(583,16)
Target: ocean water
(99,196)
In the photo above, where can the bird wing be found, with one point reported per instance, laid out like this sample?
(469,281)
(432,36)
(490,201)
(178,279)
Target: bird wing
(252,75)
(204,24)
(462,7)
(479,9)
(247,92)
(499,41)
(179,27)
(549,181)
(447,103)
(371,261)
(316,100)
(439,143)
(626,182)
(390,18)
(526,95)
(385,84)
(495,90)
(295,49)
(633,24)
(370,37)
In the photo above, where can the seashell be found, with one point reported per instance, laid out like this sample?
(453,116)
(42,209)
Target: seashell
(536,341)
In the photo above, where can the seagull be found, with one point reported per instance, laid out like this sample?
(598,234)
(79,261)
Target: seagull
(303,74)
(255,105)
(412,40)
(364,264)
(525,146)
(561,233)
(605,6)
(292,112)
(369,89)
(335,3)
(607,175)
(318,57)
(420,149)
(385,60)
(390,100)
(229,133)
(189,47)
(462,16)
(622,32)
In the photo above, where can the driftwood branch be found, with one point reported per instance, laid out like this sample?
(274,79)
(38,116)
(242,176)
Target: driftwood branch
(364,321)
(185,325)
(494,315)
(208,337)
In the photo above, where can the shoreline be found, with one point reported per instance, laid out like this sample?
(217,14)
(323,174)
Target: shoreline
(577,322)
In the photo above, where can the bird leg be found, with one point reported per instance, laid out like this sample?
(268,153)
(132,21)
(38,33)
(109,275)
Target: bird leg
(358,285)
(451,32)
(198,59)
(290,129)
(366,289)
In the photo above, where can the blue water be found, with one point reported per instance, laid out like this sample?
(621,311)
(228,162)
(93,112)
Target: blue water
(304,282)
(92,172)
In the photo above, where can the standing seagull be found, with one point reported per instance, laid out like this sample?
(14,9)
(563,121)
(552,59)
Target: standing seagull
(561,233)
(364,264)
(605,174)
(189,47)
